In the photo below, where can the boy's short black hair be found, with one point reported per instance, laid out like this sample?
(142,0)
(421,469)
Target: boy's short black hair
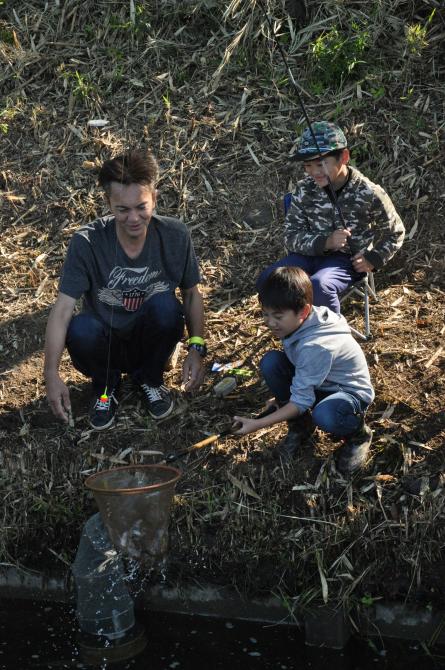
(286,288)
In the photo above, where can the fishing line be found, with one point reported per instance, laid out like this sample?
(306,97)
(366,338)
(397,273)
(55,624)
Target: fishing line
(332,192)
(104,396)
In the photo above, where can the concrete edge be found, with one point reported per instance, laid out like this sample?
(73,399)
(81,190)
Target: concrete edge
(324,626)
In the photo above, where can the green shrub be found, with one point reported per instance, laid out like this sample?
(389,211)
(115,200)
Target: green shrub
(335,55)
(416,36)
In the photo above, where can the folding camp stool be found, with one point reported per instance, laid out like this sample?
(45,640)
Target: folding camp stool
(364,288)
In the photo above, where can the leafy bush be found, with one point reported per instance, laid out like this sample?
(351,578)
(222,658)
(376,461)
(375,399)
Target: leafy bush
(335,54)
(416,36)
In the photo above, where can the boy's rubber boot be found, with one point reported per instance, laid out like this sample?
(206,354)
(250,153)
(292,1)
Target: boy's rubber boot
(352,455)
(298,431)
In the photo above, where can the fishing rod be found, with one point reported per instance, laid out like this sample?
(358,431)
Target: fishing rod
(332,192)
(230,430)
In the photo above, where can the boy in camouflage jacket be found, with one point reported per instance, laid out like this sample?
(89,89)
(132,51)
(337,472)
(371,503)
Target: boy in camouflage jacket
(333,252)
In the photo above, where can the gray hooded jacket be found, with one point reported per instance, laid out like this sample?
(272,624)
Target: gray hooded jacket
(327,359)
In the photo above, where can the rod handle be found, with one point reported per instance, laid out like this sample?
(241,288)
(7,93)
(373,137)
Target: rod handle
(204,443)
(198,445)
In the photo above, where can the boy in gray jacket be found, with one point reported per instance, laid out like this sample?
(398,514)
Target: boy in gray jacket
(320,378)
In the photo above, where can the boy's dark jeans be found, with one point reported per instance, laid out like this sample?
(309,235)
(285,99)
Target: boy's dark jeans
(340,414)
(330,275)
(143,352)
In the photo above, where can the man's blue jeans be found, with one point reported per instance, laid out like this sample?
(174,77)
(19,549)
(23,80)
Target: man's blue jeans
(330,275)
(143,352)
(340,413)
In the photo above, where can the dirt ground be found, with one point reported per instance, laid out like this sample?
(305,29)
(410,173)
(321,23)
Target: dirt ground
(239,516)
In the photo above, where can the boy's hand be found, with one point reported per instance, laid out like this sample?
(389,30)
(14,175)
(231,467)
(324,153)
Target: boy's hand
(244,425)
(360,264)
(337,239)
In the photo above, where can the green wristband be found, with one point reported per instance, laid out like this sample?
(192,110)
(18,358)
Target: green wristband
(196,340)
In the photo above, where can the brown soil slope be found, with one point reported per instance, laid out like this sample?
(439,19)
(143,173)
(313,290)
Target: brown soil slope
(209,94)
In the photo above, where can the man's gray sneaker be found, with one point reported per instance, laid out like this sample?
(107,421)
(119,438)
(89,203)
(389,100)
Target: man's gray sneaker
(159,401)
(103,410)
(352,455)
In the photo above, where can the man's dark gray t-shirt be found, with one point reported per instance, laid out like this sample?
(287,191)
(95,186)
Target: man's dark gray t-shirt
(115,286)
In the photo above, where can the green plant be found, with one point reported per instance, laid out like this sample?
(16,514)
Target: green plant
(336,54)
(115,54)
(378,93)
(6,115)
(416,39)
(115,23)
(89,31)
(136,23)
(317,87)
(367,600)
(167,102)
(416,36)
(6,34)
(80,84)
(408,95)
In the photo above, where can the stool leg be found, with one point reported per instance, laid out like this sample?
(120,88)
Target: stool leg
(366,300)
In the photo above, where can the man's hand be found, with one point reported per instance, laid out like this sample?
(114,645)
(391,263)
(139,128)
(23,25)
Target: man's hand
(193,371)
(58,397)
(56,329)
(360,264)
(193,368)
(338,239)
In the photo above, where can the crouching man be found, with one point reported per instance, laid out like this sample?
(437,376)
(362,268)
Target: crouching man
(126,267)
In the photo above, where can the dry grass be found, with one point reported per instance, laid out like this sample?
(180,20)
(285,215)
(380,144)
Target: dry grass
(211,98)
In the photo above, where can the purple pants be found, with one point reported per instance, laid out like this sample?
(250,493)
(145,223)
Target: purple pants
(330,275)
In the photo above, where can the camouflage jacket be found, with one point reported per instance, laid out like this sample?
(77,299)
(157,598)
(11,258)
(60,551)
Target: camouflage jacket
(377,230)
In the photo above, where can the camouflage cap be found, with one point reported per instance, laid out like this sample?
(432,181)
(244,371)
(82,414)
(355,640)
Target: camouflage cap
(329,138)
